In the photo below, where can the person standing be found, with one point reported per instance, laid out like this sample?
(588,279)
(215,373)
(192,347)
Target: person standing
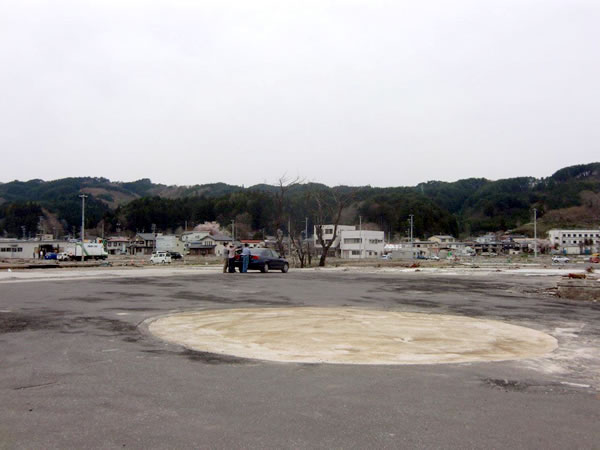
(225,259)
(245,258)
(231,258)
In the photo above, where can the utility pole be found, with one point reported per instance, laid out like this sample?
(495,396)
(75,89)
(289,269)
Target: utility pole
(306,236)
(412,252)
(535,233)
(306,228)
(41,226)
(233,230)
(360,235)
(82,197)
(154,236)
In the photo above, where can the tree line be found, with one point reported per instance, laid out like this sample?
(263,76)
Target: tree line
(469,206)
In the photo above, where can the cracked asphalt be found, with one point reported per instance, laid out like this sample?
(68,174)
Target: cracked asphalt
(77,370)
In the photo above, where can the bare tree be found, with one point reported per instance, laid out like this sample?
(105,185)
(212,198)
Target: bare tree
(298,247)
(329,209)
(280,198)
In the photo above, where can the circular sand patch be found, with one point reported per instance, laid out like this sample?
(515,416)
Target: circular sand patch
(350,336)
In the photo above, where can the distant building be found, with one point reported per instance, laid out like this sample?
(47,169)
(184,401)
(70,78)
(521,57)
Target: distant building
(351,243)
(487,239)
(361,244)
(334,250)
(575,242)
(442,238)
(253,243)
(203,247)
(143,244)
(117,245)
(169,243)
(204,243)
(194,236)
(29,249)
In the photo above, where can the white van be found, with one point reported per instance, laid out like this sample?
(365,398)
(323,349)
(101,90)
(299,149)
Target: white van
(160,258)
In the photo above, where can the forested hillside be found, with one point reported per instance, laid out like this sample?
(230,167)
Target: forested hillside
(570,197)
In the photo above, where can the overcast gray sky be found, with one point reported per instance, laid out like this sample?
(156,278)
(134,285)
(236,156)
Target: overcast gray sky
(385,93)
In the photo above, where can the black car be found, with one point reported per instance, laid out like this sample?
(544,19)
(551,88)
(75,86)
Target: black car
(263,259)
(175,255)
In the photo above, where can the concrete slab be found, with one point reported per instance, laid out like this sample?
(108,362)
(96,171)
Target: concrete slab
(350,336)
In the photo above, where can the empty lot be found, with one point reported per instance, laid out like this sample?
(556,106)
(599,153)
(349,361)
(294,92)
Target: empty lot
(78,371)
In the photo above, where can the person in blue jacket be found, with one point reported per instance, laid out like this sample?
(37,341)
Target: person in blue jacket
(245,258)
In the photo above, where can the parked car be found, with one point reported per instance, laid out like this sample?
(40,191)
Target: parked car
(263,259)
(176,255)
(560,260)
(434,258)
(50,255)
(387,256)
(160,258)
(63,256)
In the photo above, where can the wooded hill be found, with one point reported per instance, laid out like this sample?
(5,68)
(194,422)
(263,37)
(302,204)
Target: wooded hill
(568,198)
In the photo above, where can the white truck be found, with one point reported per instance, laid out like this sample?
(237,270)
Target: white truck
(90,250)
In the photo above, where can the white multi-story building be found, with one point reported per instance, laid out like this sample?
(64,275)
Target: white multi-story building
(352,243)
(328,234)
(575,241)
(361,244)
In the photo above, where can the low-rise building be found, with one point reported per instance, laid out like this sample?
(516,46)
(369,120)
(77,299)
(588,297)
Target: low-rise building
(194,236)
(361,244)
(328,236)
(203,247)
(442,238)
(487,239)
(143,244)
(351,243)
(117,245)
(253,243)
(206,244)
(30,248)
(169,243)
(222,243)
(573,241)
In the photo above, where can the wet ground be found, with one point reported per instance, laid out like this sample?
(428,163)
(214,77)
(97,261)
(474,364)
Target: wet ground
(77,370)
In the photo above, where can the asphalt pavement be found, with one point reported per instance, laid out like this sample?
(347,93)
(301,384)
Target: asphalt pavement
(78,371)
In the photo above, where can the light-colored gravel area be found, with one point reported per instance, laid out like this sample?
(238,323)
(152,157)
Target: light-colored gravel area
(350,336)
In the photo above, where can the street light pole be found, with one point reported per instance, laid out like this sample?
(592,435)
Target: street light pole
(82,197)
(535,247)
(233,230)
